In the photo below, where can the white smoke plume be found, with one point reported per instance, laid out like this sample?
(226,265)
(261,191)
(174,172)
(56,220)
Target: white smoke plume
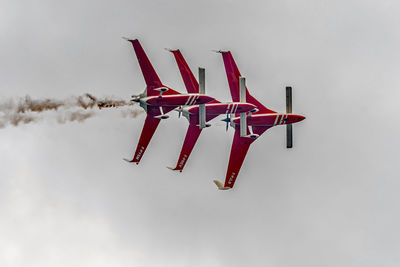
(27,110)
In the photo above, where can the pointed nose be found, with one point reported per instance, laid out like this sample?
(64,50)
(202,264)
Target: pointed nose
(300,118)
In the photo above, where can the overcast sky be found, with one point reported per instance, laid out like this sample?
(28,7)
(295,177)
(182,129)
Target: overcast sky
(68,199)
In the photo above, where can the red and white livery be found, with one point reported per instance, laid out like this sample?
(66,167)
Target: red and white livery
(194,113)
(249,127)
(157,100)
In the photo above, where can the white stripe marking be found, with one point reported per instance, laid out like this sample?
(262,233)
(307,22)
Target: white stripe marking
(187,100)
(280,122)
(232,107)
(227,109)
(276,120)
(194,99)
(191,100)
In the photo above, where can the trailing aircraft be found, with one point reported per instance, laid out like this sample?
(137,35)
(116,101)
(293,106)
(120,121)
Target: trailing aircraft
(157,100)
(199,115)
(248,127)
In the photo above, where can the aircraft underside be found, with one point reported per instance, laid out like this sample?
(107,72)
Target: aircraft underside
(249,118)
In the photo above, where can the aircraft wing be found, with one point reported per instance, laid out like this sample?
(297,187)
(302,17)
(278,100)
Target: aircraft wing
(150,76)
(193,132)
(192,86)
(240,146)
(192,135)
(150,126)
(233,74)
(155,111)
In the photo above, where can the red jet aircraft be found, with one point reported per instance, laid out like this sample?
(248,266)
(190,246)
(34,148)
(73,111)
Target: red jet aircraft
(157,100)
(249,128)
(198,115)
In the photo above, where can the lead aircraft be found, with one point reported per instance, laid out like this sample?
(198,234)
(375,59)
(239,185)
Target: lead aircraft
(199,115)
(157,100)
(248,127)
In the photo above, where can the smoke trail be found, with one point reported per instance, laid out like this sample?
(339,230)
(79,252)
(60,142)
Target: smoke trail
(79,116)
(27,110)
(16,119)
(131,113)
(86,101)
(28,104)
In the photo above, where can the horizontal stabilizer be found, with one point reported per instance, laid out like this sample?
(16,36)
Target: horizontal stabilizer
(202,107)
(289,136)
(221,186)
(289,127)
(202,116)
(288,99)
(202,81)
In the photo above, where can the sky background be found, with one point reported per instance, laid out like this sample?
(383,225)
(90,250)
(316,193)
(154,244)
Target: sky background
(68,199)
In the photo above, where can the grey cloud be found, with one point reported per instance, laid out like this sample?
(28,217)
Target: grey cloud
(330,201)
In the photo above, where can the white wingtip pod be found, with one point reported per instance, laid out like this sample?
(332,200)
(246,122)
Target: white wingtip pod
(171,50)
(219,51)
(221,186)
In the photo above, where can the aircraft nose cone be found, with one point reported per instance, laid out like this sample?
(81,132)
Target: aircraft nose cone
(300,118)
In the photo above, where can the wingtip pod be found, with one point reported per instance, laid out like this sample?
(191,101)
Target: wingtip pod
(171,50)
(128,39)
(130,161)
(221,186)
(174,169)
(219,51)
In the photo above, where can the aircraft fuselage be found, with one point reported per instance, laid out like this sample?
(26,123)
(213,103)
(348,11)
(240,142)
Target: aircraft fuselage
(271,119)
(176,100)
(223,108)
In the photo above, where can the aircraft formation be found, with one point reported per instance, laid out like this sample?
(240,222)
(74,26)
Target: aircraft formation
(245,114)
